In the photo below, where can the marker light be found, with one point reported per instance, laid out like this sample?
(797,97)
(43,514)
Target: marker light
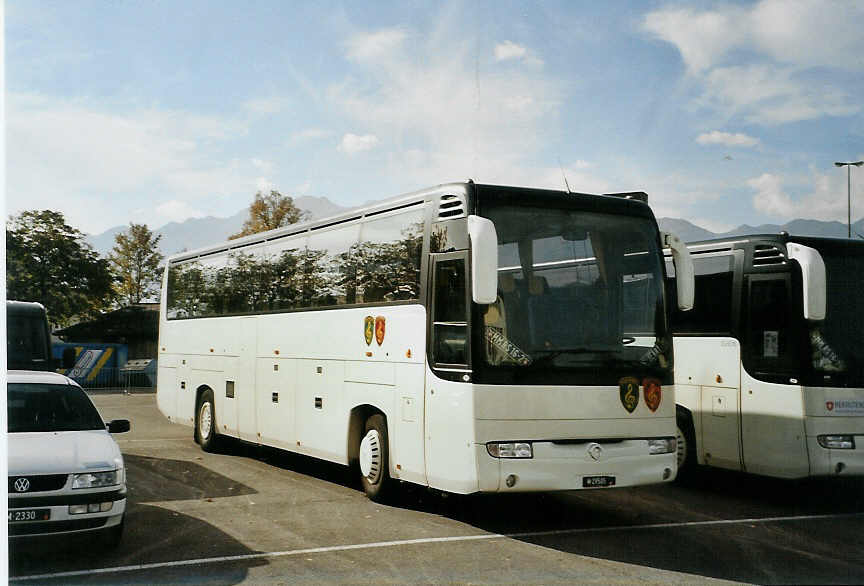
(510,450)
(837,442)
(661,445)
(91,508)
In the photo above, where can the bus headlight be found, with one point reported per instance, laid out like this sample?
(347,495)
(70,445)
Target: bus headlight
(836,442)
(661,445)
(510,449)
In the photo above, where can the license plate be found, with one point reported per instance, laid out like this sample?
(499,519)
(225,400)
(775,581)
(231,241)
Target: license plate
(24,515)
(597,481)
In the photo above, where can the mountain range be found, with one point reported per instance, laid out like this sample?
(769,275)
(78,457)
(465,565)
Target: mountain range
(197,232)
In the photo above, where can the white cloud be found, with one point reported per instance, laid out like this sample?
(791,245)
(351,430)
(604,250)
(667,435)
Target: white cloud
(701,38)
(821,196)
(370,46)
(762,62)
(77,156)
(442,120)
(805,33)
(768,95)
(352,144)
(177,211)
(736,139)
(509,50)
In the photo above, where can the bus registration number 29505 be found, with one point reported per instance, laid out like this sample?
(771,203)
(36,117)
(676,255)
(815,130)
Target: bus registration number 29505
(597,481)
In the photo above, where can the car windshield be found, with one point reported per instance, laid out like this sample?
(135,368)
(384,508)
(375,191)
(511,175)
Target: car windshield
(46,407)
(26,340)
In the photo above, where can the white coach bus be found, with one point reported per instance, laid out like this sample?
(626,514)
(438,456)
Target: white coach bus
(466,337)
(770,363)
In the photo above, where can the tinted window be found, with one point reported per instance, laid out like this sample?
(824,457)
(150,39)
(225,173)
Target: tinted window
(46,407)
(388,259)
(25,340)
(770,346)
(450,333)
(712,307)
(375,261)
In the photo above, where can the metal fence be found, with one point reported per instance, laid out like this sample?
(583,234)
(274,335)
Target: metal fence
(114,379)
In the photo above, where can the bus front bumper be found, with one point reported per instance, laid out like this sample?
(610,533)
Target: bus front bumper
(576,466)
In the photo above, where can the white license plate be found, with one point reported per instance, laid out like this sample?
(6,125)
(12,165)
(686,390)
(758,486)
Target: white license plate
(597,481)
(24,515)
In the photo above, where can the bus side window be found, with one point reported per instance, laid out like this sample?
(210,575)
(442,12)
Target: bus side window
(769,336)
(450,325)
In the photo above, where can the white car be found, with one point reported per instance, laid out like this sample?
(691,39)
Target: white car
(66,472)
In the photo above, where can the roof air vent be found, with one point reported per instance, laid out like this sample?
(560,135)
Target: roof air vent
(451,206)
(768,255)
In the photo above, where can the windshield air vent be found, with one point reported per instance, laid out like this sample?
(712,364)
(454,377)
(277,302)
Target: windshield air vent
(768,255)
(451,206)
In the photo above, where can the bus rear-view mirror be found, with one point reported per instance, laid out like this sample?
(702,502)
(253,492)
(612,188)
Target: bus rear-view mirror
(685,283)
(484,259)
(813,277)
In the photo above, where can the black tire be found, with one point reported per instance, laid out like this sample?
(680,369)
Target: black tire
(686,440)
(374,459)
(205,422)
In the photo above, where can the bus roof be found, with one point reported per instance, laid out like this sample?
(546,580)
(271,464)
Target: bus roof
(629,202)
(22,307)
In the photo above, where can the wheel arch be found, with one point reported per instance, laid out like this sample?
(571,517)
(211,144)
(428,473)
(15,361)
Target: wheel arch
(356,422)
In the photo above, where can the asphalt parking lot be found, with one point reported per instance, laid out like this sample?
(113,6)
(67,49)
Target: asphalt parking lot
(256,515)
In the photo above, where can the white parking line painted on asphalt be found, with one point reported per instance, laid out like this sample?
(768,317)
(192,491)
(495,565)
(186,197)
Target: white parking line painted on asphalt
(422,541)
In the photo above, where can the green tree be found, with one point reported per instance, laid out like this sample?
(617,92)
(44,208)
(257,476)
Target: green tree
(48,261)
(136,259)
(267,212)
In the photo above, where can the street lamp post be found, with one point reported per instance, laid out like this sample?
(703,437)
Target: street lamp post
(849,190)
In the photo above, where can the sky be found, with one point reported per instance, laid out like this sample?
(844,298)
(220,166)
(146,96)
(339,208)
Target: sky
(155,111)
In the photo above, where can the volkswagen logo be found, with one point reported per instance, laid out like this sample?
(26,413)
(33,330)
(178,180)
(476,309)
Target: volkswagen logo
(22,485)
(595,451)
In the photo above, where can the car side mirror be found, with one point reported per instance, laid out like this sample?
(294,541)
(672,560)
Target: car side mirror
(119,426)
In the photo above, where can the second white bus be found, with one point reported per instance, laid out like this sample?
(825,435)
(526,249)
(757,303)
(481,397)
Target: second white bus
(770,363)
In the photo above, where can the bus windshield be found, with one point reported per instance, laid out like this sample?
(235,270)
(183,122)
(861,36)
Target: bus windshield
(836,342)
(27,345)
(577,291)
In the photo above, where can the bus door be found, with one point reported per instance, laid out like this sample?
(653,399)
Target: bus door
(448,402)
(240,396)
(772,411)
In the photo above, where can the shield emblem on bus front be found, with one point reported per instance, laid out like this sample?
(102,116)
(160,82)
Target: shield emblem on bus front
(368,328)
(652,392)
(380,329)
(628,390)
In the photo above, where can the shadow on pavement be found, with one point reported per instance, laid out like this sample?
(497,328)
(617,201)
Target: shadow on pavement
(160,535)
(157,479)
(802,551)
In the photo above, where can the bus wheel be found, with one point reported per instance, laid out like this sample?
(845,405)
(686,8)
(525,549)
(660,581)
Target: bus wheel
(374,459)
(685,439)
(205,422)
